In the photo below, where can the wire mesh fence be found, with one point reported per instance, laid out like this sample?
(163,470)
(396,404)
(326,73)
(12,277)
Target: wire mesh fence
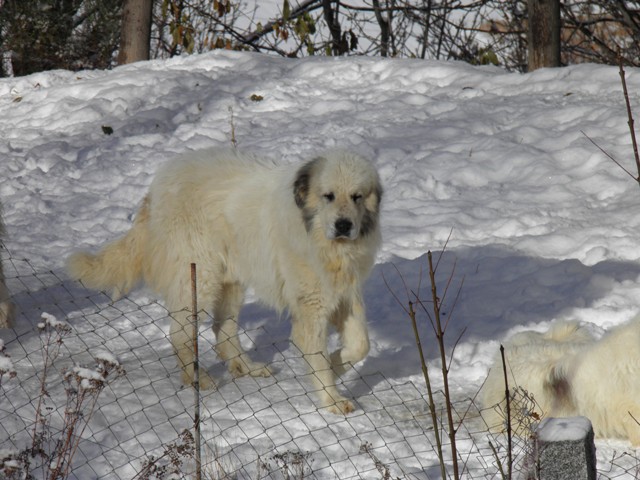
(142,423)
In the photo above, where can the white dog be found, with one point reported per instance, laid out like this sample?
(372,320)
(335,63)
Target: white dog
(532,362)
(605,382)
(303,238)
(570,373)
(7,310)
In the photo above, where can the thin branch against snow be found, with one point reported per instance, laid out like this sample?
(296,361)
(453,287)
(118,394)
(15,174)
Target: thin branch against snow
(106,358)
(6,366)
(53,322)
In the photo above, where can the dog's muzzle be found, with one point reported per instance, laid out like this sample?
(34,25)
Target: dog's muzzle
(343,228)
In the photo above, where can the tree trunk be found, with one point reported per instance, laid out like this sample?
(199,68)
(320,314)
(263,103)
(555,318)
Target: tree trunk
(544,33)
(135,38)
(385,28)
(331,17)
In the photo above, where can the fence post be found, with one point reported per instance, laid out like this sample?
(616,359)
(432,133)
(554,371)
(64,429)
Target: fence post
(196,371)
(565,449)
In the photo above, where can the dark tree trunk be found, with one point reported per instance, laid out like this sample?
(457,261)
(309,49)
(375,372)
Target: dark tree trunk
(385,28)
(544,33)
(331,17)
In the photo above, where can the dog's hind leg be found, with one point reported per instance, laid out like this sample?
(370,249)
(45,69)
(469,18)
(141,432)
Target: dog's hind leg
(181,333)
(627,419)
(225,326)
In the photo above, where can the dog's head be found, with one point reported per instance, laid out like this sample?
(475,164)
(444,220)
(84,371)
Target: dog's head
(339,194)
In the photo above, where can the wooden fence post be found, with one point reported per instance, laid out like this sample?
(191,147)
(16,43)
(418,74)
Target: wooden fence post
(196,371)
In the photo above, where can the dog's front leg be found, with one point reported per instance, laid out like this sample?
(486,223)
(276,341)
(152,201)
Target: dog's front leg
(7,310)
(351,323)
(309,333)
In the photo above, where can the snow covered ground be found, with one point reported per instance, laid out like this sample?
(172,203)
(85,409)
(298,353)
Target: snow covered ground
(542,226)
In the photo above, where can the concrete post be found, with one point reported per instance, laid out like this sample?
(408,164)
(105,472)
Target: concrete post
(565,449)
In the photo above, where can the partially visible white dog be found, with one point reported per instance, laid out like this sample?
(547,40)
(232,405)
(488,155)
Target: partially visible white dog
(7,309)
(532,362)
(303,238)
(605,382)
(569,373)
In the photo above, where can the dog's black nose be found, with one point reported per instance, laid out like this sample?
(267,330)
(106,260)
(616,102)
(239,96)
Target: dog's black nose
(343,227)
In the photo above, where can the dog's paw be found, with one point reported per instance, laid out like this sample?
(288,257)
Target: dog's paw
(7,314)
(206,381)
(341,407)
(241,366)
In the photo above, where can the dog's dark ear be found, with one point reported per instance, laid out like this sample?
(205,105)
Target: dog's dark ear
(372,206)
(302,183)
(372,202)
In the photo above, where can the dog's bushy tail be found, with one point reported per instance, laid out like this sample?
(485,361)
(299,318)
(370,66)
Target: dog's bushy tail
(571,339)
(117,267)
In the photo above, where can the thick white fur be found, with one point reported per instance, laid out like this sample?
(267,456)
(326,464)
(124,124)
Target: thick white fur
(605,381)
(532,361)
(280,230)
(7,310)
(570,373)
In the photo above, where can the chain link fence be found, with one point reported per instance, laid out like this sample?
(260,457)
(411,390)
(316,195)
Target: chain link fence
(141,423)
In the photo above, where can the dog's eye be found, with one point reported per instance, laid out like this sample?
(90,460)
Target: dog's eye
(356,197)
(329,197)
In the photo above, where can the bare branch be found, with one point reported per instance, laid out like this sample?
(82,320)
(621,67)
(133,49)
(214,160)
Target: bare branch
(610,157)
(508,402)
(304,7)
(630,117)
